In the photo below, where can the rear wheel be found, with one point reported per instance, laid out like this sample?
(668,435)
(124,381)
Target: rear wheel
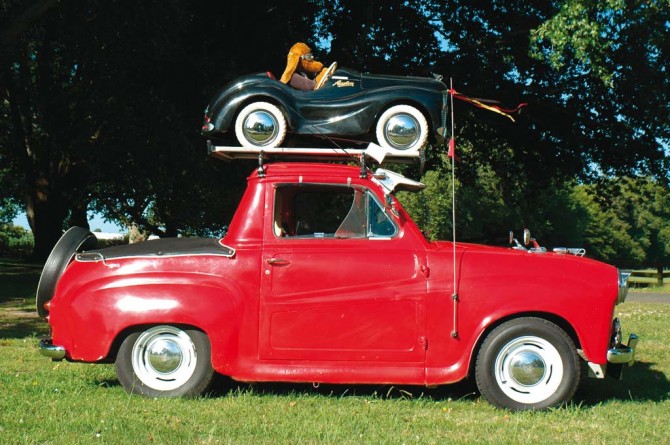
(260,124)
(527,363)
(165,361)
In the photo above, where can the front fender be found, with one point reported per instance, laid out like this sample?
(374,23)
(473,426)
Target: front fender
(580,292)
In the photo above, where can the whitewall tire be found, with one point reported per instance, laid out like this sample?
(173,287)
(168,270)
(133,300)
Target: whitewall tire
(527,363)
(260,124)
(165,361)
(402,127)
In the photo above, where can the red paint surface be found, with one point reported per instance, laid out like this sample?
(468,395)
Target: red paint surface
(332,310)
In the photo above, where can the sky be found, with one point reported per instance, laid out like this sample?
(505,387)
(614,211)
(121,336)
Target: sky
(94,220)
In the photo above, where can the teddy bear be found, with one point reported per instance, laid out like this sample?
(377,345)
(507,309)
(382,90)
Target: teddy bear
(300,65)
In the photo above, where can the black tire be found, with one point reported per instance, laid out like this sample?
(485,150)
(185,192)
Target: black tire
(527,364)
(260,125)
(74,240)
(165,361)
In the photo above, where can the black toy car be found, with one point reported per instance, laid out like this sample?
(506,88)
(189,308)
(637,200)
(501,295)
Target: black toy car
(396,112)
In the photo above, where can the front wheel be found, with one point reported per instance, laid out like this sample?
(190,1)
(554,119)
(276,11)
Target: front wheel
(527,363)
(402,127)
(165,361)
(260,125)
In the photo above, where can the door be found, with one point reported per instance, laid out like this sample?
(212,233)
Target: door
(340,282)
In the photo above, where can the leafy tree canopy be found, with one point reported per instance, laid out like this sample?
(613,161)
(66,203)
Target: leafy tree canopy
(100,105)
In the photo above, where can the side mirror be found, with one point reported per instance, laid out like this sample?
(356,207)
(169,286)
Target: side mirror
(526,237)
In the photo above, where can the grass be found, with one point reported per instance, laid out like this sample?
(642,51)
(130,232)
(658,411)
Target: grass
(72,403)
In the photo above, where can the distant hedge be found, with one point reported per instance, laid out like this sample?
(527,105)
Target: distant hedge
(15,241)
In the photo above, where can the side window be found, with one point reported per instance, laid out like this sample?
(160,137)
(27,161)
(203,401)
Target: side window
(379,222)
(323,211)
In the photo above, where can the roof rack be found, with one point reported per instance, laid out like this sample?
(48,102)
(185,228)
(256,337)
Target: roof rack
(373,151)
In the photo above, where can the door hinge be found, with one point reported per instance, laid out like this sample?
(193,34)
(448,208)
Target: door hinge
(423,341)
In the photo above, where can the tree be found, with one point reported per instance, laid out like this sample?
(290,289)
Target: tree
(394,37)
(34,66)
(100,105)
(164,183)
(106,100)
(644,204)
(485,209)
(618,50)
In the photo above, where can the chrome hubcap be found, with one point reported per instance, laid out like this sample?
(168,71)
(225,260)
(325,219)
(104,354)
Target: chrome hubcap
(402,131)
(164,356)
(527,368)
(260,128)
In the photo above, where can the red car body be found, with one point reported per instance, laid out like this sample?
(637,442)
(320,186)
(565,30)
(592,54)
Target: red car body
(379,306)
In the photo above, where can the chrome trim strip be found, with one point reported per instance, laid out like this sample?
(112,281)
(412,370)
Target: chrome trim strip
(88,257)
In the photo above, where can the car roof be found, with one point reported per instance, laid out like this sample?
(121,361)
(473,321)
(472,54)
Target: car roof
(308,169)
(332,173)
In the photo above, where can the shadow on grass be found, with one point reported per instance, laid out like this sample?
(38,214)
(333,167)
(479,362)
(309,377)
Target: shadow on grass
(457,391)
(19,319)
(18,283)
(24,329)
(224,386)
(641,382)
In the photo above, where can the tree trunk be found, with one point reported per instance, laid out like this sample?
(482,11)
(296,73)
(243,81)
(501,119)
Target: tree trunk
(45,216)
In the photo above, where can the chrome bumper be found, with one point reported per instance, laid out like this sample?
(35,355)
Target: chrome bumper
(48,349)
(623,354)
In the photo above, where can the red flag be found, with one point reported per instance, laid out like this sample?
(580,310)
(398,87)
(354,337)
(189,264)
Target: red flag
(507,112)
(452,148)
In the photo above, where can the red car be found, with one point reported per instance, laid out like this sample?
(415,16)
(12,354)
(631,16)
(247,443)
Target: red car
(323,277)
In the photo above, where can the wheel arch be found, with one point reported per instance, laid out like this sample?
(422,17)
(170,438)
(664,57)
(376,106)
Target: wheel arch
(112,307)
(140,327)
(559,321)
(224,118)
(288,111)
(411,102)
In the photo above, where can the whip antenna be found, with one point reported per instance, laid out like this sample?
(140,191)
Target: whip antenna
(452,154)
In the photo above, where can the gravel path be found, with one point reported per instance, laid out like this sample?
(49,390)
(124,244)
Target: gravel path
(648,297)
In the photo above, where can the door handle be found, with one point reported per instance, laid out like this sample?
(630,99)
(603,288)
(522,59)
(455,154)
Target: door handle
(277,261)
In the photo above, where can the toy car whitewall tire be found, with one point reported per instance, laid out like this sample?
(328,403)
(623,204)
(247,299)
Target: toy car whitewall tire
(165,361)
(402,127)
(527,363)
(260,124)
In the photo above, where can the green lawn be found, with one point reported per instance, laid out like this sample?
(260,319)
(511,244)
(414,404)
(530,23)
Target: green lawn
(67,403)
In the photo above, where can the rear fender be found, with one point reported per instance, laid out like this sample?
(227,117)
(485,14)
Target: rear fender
(104,309)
